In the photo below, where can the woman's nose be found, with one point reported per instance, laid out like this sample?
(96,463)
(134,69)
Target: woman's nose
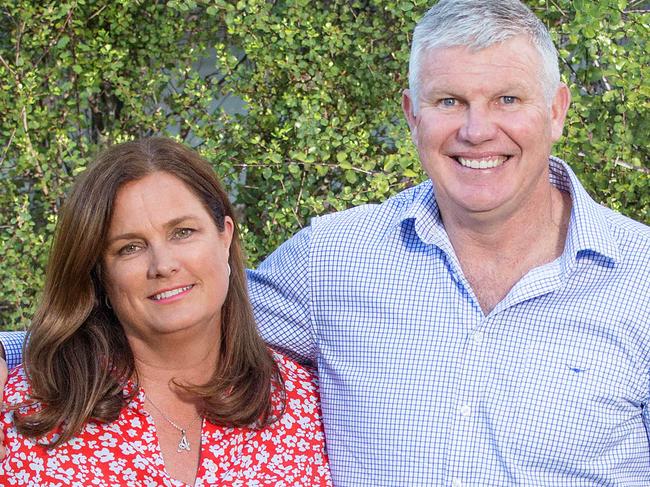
(163,262)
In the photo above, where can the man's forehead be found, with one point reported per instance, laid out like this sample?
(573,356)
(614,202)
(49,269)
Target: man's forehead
(516,42)
(514,54)
(499,67)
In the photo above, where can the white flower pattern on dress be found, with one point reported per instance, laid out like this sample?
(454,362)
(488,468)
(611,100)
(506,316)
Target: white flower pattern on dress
(288,453)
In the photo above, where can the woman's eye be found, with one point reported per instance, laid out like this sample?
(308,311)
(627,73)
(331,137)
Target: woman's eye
(129,249)
(508,100)
(181,233)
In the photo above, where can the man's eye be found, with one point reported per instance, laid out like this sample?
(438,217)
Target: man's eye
(448,102)
(509,100)
(181,233)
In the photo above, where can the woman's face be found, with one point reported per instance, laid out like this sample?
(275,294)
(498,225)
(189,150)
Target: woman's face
(166,262)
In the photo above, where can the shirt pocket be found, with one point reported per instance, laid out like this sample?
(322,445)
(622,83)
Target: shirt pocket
(574,401)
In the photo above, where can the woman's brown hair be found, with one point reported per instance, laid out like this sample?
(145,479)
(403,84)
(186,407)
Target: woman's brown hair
(77,357)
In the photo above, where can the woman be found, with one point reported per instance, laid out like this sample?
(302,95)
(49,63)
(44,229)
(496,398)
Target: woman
(144,366)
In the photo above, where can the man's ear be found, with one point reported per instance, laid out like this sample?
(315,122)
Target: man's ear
(559,109)
(408,107)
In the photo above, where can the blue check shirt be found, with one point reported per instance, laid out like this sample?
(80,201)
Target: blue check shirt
(420,388)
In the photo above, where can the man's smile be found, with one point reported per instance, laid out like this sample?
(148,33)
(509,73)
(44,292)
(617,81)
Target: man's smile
(481,163)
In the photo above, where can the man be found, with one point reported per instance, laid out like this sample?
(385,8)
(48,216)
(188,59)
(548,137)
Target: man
(490,327)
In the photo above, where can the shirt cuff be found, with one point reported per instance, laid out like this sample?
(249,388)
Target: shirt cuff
(12,341)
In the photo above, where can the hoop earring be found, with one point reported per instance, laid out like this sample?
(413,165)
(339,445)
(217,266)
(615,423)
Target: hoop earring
(228,264)
(107,302)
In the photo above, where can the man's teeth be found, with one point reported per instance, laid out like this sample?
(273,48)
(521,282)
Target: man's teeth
(169,294)
(486,163)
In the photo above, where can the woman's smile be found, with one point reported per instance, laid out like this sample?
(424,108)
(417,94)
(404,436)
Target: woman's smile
(166,296)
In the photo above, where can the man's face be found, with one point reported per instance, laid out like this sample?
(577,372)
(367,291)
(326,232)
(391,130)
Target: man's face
(484,129)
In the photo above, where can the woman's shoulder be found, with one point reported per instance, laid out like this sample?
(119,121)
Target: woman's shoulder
(300,395)
(296,375)
(298,434)
(17,389)
(16,394)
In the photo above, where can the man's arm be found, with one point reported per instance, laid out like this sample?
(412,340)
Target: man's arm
(280,294)
(11,347)
(3,381)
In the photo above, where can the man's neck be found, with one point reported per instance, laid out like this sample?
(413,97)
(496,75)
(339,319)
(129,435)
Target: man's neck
(495,252)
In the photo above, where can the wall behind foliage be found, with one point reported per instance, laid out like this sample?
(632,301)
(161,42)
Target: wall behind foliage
(296,103)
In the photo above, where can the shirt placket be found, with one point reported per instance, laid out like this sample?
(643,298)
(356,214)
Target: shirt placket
(467,440)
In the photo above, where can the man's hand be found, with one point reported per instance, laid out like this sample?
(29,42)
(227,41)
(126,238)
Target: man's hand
(3,381)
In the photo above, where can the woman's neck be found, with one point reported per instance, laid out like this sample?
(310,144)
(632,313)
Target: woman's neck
(159,360)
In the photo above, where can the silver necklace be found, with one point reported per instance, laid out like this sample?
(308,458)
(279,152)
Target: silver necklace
(183,443)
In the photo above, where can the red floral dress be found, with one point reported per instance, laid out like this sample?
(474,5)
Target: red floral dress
(125,452)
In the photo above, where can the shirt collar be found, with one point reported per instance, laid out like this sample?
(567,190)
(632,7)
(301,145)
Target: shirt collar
(589,230)
(424,213)
(588,227)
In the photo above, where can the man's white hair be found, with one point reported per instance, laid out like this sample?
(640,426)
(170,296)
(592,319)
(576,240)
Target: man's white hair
(478,24)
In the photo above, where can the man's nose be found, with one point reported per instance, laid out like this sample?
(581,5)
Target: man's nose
(162,261)
(478,125)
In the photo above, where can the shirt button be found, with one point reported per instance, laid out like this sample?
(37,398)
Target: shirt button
(456,482)
(477,339)
(465,410)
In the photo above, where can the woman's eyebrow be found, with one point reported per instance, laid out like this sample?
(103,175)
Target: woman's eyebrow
(169,224)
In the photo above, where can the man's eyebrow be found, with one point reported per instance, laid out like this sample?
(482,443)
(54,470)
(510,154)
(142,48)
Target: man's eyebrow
(450,90)
(130,235)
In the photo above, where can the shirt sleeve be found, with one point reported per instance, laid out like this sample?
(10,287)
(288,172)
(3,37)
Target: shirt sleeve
(280,294)
(12,341)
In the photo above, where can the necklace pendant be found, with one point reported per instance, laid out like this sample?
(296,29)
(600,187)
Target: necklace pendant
(183,444)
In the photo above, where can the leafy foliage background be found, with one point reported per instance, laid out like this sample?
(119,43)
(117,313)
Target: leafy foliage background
(296,103)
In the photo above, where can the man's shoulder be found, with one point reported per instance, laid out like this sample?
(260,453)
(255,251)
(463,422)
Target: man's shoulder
(370,219)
